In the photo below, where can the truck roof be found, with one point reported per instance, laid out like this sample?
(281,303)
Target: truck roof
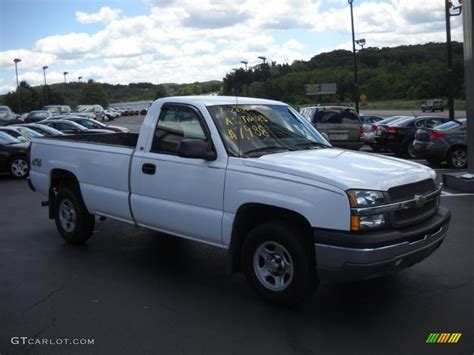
(219,100)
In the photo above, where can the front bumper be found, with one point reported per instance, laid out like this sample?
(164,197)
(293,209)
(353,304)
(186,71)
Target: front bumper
(346,259)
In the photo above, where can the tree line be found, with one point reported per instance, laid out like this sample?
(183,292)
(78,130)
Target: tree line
(404,72)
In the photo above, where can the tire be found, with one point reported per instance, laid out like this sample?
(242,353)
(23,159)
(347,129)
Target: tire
(275,252)
(422,110)
(18,167)
(410,152)
(73,221)
(457,158)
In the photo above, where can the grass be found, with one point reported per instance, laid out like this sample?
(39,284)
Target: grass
(404,105)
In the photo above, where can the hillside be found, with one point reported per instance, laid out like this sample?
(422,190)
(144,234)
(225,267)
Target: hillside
(398,73)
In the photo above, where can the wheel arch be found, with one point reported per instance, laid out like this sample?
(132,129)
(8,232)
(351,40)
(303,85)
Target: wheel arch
(250,215)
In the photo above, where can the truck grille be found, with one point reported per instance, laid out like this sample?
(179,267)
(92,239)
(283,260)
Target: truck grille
(413,215)
(405,192)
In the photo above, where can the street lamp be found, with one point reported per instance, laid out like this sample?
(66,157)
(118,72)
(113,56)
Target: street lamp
(448,7)
(356,81)
(264,75)
(65,73)
(360,42)
(79,78)
(45,96)
(16,61)
(246,81)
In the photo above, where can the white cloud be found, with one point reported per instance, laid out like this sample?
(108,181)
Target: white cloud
(186,40)
(105,15)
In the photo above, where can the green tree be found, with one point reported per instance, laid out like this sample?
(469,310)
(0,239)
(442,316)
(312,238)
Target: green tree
(93,93)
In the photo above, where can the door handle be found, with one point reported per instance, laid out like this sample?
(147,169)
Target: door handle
(149,169)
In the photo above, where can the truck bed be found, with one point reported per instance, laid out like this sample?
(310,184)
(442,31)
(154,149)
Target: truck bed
(128,140)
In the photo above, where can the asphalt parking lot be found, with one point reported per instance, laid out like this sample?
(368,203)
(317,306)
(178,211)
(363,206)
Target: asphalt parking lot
(140,292)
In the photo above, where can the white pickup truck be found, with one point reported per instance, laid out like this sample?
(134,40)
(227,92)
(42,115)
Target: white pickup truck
(251,176)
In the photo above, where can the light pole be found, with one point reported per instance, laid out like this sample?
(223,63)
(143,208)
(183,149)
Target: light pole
(45,96)
(16,61)
(264,75)
(356,81)
(79,78)
(448,6)
(246,78)
(65,73)
(361,43)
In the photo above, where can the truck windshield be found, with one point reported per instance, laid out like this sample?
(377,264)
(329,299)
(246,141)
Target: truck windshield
(250,131)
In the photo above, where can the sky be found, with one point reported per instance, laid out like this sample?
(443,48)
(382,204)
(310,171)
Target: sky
(183,41)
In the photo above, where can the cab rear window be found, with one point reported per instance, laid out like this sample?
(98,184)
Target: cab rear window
(338,117)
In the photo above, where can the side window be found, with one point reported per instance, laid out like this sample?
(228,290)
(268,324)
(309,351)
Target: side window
(420,124)
(433,123)
(174,125)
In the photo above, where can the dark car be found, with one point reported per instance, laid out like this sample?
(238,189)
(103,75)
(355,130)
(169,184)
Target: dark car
(433,105)
(93,124)
(447,142)
(378,141)
(35,116)
(13,156)
(400,134)
(69,127)
(42,129)
(143,111)
(341,124)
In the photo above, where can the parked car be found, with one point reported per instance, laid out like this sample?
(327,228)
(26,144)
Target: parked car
(143,111)
(90,111)
(400,134)
(446,142)
(57,109)
(111,115)
(13,156)
(433,105)
(341,124)
(43,129)
(38,115)
(379,142)
(6,115)
(70,127)
(254,178)
(93,124)
(21,133)
(367,122)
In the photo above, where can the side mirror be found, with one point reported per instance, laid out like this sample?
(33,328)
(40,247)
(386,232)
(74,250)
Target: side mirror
(197,149)
(325,136)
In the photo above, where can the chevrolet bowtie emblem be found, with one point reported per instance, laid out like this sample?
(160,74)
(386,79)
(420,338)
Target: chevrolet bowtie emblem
(419,201)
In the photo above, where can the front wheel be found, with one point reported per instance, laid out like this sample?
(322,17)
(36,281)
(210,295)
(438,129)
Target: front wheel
(73,221)
(410,149)
(279,264)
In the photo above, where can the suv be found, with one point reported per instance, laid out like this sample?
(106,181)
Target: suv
(433,105)
(341,124)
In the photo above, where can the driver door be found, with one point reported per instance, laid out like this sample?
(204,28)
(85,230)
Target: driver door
(182,196)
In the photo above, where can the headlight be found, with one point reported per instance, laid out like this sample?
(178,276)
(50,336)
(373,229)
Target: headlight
(365,198)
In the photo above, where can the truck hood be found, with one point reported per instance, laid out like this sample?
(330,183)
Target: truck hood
(345,169)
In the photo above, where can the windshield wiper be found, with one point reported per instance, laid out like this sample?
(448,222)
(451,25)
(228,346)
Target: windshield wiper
(310,144)
(273,148)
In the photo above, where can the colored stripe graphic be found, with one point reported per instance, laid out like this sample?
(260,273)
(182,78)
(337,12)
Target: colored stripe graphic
(443,338)
(432,338)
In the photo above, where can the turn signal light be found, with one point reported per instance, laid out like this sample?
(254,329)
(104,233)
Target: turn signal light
(355,223)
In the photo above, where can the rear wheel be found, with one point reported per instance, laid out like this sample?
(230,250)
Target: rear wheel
(73,221)
(278,263)
(410,150)
(18,167)
(457,158)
